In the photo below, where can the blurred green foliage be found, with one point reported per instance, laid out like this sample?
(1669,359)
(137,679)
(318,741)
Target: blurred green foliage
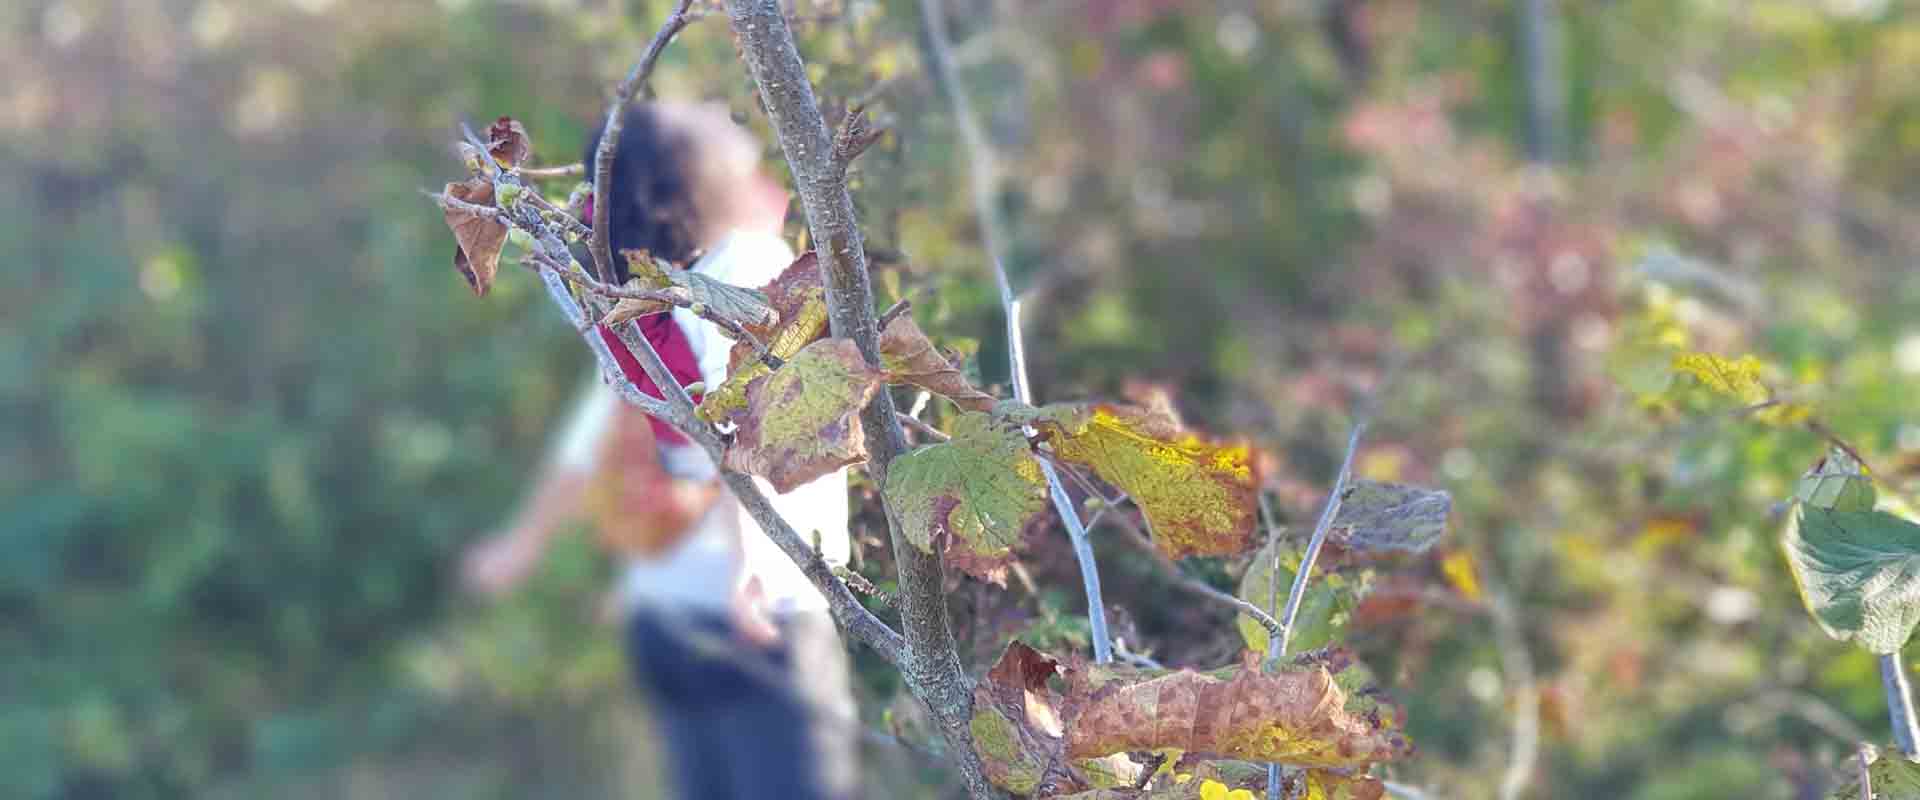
(249,416)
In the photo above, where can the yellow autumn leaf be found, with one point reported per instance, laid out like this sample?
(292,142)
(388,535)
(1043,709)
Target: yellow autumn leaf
(1199,496)
(1459,570)
(1213,790)
(1736,378)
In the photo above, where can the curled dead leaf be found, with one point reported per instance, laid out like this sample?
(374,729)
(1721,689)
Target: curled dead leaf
(1315,712)
(910,357)
(507,141)
(477,237)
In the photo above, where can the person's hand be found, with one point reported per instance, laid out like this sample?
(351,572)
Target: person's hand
(499,564)
(750,615)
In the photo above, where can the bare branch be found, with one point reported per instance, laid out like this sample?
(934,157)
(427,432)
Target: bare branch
(1277,646)
(1517,662)
(894,311)
(921,427)
(554,173)
(1862,758)
(985,175)
(610,134)
(857,133)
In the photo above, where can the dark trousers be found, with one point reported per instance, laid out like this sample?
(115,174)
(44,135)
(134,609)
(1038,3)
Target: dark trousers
(741,721)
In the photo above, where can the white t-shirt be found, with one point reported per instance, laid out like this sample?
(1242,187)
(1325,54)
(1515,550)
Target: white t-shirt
(726,546)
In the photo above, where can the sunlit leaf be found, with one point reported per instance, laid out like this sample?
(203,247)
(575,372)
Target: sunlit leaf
(973,494)
(1858,570)
(909,357)
(802,420)
(1391,516)
(1735,378)
(477,238)
(799,304)
(1199,496)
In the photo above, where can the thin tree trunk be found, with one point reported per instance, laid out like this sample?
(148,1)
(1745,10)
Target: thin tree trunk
(931,666)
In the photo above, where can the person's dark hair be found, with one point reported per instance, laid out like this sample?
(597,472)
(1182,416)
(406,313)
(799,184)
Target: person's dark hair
(651,198)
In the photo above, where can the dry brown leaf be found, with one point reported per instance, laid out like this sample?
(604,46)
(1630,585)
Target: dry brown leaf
(1298,715)
(1315,712)
(477,238)
(910,357)
(507,141)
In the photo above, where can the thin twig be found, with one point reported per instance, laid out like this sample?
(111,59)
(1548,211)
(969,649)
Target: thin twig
(1062,503)
(1406,792)
(1277,646)
(575,170)
(1866,775)
(1187,583)
(733,329)
(894,311)
(921,427)
(610,133)
(1893,677)
(1517,663)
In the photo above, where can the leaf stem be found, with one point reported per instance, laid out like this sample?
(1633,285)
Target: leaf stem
(1893,676)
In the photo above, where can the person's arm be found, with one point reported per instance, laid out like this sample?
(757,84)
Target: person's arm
(504,560)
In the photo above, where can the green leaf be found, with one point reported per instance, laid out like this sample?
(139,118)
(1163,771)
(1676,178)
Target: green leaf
(1324,609)
(1858,574)
(970,496)
(802,420)
(1837,483)
(1893,777)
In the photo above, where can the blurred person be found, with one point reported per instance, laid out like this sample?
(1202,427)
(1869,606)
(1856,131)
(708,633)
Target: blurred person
(687,186)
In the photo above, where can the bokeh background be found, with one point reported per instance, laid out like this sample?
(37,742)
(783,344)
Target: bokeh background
(250,417)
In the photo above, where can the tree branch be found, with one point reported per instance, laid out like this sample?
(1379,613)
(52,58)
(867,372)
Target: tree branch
(610,134)
(931,666)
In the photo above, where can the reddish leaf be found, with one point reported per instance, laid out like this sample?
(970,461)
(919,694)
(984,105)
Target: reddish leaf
(507,141)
